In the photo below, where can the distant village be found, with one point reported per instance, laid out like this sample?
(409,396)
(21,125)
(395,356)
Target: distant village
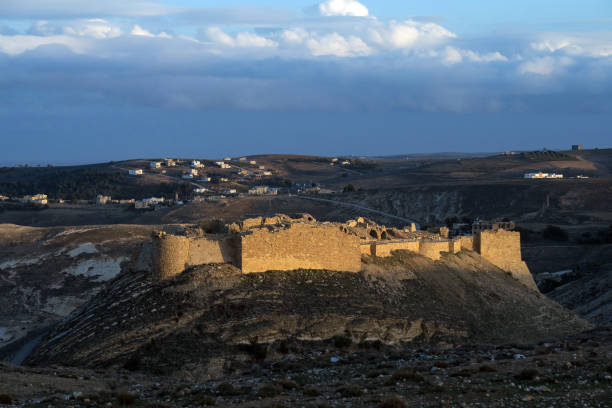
(230,177)
(208,185)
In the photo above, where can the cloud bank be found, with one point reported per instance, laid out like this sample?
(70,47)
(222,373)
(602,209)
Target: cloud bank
(144,53)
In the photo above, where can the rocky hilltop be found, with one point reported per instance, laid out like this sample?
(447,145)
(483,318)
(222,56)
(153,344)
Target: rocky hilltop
(212,320)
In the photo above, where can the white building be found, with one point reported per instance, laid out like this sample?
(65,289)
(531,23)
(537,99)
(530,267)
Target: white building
(3,198)
(253,162)
(223,165)
(243,159)
(196,164)
(228,159)
(205,179)
(154,165)
(190,174)
(169,162)
(230,191)
(40,199)
(541,175)
(201,190)
(136,172)
(223,179)
(103,200)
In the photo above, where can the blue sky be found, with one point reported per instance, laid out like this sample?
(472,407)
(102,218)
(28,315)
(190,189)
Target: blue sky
(84,80)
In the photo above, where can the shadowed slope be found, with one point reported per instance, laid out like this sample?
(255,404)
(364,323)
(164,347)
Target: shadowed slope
(212,318)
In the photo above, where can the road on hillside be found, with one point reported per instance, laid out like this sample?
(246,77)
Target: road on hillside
(361,207)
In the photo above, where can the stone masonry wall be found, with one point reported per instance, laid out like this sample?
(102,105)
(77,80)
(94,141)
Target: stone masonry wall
(503,249)
(300,246)
(170,256)
(383,249)
(432,249)
(213,249)
(467,242)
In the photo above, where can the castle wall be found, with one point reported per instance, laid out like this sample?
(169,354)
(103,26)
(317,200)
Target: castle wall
(213,249)
(300,246)
(455,246)
(467,242)
(383,249)
(366,248)
(503,249)
(432,249)
(170,256)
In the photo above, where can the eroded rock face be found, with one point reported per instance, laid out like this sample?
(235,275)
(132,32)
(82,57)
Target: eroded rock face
(47,273)
(214,313)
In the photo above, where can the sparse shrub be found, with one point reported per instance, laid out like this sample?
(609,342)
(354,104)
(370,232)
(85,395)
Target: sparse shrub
(542,351)
(350,391)
(528,374)
(342,341)
(287,384)
(311,392)
(464,372)
(375,344)
(349,188)
(268,391)
(555,233)
(257,350)
(406,375)
(126,398)
(133,364)
(393,402)
(485,368)
(442,364)
(6,399)
(283,347)
(227,389)
(206,400)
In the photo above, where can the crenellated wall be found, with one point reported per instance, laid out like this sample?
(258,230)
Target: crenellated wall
(284,243)
(300,246)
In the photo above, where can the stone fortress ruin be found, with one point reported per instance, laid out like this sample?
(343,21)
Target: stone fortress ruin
(284,243)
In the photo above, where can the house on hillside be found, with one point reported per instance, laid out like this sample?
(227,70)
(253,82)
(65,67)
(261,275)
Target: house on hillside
(38,199)
(196,164)
(136,172)
(155,165)
(223,165)
(190,175)
(103,200)
(169,163)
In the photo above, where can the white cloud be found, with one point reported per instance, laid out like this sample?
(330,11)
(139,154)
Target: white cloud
(18,44)
(337,45)
(343,8)
(454,55)
(139,31)
(544,66)
(243,39)
(589,45)
(95,28)
(408,34)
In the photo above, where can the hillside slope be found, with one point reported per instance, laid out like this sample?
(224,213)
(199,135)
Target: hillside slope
(212,319)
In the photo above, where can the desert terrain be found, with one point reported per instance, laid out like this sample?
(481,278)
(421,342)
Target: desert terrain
(80,326)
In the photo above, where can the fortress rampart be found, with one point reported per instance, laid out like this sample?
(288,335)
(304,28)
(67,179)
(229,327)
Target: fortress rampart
(300,246)
(284,243)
